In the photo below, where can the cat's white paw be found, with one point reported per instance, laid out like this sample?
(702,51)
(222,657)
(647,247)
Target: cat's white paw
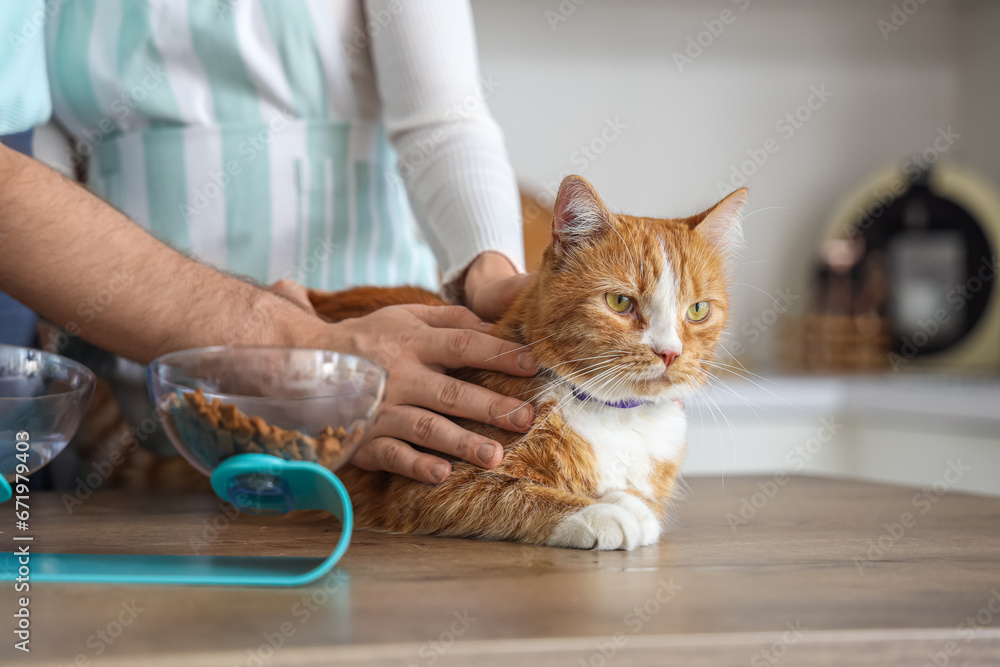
(649,524)
(599,526)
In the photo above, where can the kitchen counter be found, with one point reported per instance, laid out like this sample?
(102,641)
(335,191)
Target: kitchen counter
(905,428)
(758,570)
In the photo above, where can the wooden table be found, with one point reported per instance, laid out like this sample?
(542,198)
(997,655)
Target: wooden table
(815,571)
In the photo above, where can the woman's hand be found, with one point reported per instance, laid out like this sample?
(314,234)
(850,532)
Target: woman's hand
(416,343)
(491,285)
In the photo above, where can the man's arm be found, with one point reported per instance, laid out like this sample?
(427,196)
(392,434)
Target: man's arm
(85,266)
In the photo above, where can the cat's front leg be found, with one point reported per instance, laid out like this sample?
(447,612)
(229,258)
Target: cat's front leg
(649,523)
(601,526)
(618,520)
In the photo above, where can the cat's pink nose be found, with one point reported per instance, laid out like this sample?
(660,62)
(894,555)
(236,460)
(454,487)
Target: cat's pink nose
(668,357)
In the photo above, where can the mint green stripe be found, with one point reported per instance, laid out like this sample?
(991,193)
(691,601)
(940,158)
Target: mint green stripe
(427,277)
(324,140)
(72,60)
(301,219)
(72,73)
(291,30)
(290,25)
(385,159)
(140,64)
(234,96)
(166,187)
(24,86)
(316,213)
(401,226)
(215,41)
(134,27)
(339,136)
(362,208)
(141,68)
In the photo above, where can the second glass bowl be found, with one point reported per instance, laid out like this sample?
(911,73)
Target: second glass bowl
(43,396)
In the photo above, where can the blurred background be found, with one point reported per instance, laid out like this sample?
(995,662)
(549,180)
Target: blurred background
(866,332)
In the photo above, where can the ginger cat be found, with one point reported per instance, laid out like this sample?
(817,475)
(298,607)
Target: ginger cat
(620,315)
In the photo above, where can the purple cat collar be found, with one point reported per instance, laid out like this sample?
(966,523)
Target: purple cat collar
(627,403)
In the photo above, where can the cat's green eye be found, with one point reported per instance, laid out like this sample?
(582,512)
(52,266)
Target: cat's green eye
(619,303)
(699,311)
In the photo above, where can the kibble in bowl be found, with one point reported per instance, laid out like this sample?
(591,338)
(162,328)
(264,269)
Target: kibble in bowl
(296,404)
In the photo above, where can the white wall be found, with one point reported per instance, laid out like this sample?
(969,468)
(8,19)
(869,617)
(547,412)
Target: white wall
(979,56)
(687,129)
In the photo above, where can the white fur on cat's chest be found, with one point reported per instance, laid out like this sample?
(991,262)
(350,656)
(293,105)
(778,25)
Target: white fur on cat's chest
(628,442)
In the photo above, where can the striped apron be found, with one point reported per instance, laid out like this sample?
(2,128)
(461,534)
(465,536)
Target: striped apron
(232,130)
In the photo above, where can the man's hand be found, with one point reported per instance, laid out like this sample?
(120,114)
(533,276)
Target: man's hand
(416,343)
(294,292)
(491,285)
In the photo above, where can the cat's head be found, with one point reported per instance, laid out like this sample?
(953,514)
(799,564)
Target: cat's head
(632,307)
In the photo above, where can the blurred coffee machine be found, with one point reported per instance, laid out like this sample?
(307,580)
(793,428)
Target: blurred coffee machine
(906,278)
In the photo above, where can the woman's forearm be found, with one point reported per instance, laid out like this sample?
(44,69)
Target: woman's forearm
(452,158)
(82,264)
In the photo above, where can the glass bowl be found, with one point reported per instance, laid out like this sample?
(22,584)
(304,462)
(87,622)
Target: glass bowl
(43,396)
(294,403)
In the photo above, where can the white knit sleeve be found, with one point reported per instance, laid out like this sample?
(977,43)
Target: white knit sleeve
(452,158)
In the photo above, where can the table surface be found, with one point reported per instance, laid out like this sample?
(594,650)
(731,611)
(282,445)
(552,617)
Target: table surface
(810,571)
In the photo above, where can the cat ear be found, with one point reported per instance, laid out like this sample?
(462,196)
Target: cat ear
(721,226)
(579,213)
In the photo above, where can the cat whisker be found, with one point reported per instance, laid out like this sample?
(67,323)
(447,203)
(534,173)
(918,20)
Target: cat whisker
(771,393)
(559,379)
(720,384)
(781,308)
(562,378)
(620,378)
(586,386)
(589,384)
(732,429)
(516,349)
(599,356)
(700,390)
(742,218)
(606,358)
(695,389)
(765,208)
(578,372)
(740,368)
(614,388)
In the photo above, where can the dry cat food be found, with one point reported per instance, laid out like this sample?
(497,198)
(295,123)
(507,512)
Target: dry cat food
(214,431)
